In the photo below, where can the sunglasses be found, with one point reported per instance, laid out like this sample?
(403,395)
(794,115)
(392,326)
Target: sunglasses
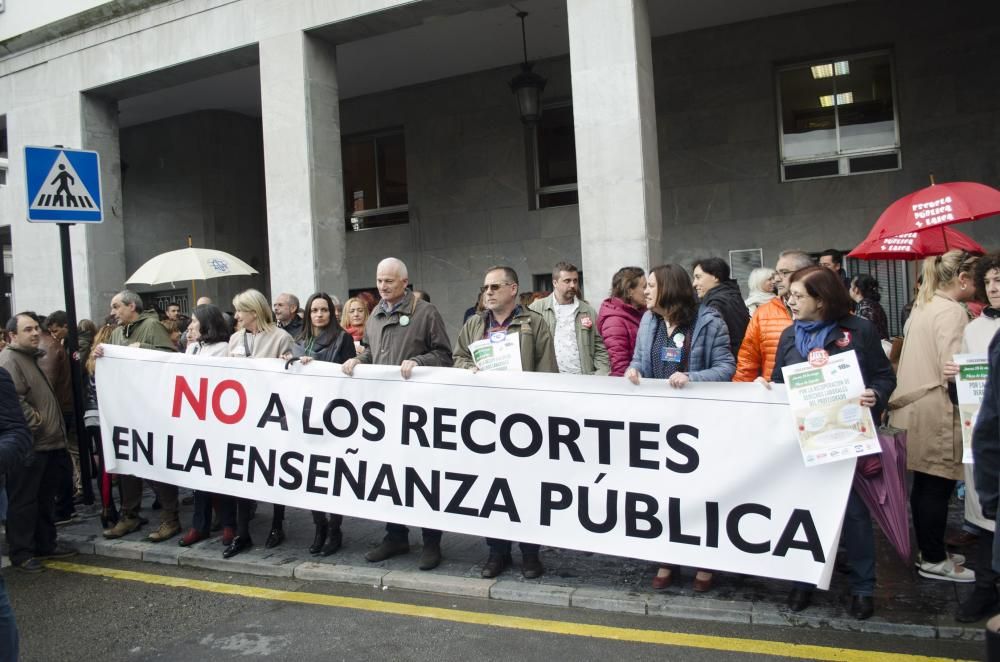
(492,287)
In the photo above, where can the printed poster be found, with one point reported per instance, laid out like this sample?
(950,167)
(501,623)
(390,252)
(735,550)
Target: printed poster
(970,382)
(825,396)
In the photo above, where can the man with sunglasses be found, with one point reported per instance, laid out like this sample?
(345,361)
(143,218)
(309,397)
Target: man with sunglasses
(408,332)
(503,316)
(760,344)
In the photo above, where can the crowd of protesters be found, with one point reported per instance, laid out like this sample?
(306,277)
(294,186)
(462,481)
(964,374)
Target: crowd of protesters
(671,323)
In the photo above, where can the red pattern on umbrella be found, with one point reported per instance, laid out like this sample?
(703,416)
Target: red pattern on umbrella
(937,205)
(916,245)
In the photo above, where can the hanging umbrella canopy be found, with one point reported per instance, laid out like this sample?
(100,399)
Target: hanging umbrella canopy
(937,205)
(886,494)
(190,264)
(916,245)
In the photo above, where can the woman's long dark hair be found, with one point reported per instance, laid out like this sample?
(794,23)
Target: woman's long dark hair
(675,294)
(212,323)
(868,287)
(308,332)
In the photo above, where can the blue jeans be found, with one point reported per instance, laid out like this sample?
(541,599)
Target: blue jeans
(8,627)
(859,543)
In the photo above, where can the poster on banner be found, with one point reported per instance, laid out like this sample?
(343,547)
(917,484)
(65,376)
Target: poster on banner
(825,396)
(709,476)
(501,351)
(970,382)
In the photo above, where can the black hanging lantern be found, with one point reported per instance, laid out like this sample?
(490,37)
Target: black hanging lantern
(527,86)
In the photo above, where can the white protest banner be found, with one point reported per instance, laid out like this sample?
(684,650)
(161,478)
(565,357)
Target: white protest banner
(825,395)
(709,476)
(970,383)
(501,351)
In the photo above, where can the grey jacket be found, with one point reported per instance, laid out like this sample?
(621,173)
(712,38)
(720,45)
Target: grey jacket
(415,331)
(593,354)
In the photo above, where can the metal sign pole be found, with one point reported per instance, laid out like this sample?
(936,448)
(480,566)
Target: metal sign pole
(72,348)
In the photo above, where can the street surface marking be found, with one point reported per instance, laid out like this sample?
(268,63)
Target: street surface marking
(658,637)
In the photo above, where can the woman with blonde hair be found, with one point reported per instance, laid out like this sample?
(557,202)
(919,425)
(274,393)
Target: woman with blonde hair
(258,338)
(353,320)
(921,405)
(92,423)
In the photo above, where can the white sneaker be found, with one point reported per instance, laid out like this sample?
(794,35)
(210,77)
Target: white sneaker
(957,559)
(948,571)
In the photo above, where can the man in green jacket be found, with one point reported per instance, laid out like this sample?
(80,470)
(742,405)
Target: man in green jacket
(579,347)
(503,317)
(141,328)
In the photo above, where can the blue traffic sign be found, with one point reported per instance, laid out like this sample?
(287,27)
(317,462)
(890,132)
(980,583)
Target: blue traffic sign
(64,185)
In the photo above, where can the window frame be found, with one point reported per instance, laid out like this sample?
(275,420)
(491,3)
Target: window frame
(537,189)
(842,156)
(354,220)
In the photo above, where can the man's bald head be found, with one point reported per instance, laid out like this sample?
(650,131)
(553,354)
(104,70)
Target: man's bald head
(391,278)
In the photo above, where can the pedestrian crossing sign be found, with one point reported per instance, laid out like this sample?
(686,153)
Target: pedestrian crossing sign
(64,185)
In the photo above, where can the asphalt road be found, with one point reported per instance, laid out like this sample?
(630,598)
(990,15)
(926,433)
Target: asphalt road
(68,615)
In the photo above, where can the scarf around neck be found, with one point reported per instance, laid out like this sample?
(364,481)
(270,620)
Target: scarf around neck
(811,335)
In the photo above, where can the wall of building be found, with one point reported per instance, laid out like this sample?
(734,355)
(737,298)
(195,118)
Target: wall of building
(468,188)
(717,124)
(201,175)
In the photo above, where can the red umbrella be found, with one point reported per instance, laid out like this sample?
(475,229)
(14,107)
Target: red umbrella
(938,204)
(916,245)
(885,494)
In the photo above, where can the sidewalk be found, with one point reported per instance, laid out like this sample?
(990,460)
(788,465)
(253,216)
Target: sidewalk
(905,603)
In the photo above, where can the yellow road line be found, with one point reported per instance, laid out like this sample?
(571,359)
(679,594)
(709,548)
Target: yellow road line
(736,645)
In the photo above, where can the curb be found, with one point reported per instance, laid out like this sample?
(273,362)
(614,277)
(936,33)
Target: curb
(265,563)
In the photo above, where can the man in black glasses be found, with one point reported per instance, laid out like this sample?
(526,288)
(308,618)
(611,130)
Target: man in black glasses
(506,336)
(408,332)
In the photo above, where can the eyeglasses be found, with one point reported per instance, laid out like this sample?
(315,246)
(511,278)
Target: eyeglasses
(783,273)
(492,287)
(793,295)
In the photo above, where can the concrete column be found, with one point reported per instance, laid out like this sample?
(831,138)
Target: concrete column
(614,116)
(302,165)
(104,243)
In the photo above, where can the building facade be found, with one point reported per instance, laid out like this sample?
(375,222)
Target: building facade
(313,139)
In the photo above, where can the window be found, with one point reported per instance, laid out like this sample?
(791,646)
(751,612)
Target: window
(375,180)
(555,158)
(838,117)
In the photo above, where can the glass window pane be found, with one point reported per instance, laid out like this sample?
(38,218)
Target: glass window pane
(556,147)
(808,126)
(359,175)
(868,122)
(391,170)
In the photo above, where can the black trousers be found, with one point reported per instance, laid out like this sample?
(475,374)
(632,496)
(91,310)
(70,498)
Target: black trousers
(31,493)
(244,508)
(400,533)
(929,499)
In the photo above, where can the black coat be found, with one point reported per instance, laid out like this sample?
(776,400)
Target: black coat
(986,442)
(728,300)
(861,336)
(15,438)
(331,346)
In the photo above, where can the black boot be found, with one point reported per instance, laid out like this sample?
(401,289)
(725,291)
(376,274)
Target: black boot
(318,539)
(333,542)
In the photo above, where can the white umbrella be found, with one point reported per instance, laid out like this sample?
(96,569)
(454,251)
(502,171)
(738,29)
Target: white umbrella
(190,264)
